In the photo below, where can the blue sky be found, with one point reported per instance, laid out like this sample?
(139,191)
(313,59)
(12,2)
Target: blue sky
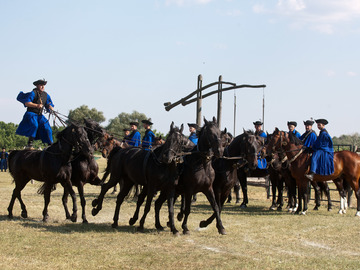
(120,56)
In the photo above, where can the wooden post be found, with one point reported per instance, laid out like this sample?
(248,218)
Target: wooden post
(199,101)
(219,108)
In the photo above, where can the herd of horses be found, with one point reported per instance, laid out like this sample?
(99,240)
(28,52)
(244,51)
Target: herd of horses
(176,167)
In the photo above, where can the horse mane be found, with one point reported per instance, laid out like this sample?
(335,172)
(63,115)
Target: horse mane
(295,140)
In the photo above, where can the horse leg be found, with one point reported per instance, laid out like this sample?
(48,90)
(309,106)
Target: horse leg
(68,186)
(171,201)
(139,202)
(47,192)
(149,198)
(325,187)
(280,188)
(158,204)
(340,188)
(97,203)
(187,203)
(83,202)
(64,201)
(19,186)
(317,192)
(273,190)
(137,192)
(205,223)
(357,193)
(124,190)
(237,192)
(211,198)
(182,208)
(243,184)
(300,198)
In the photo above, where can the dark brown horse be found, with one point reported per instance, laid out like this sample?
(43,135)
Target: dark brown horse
(346,165)
(154,170)
(50,166)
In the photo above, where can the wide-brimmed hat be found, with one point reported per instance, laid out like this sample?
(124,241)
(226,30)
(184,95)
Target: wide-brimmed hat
(40,82)
(193,125)
(257,123)
(292,123)
(148,122)
(308,123)
(126,129)
(322,121)
(134,123)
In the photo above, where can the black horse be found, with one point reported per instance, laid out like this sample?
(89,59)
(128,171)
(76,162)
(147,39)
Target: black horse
(242,150)
(84,168)
(197,174)
(154,170)
(50,166)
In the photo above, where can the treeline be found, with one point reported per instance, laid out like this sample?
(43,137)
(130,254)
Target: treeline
(10,140)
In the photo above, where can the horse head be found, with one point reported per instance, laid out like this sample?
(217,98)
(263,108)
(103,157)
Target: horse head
(173,145)
(226,138)
(276,142)
(210,138)
(77,137)
(94,130)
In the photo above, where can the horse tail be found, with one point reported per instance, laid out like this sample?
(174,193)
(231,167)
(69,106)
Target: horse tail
(41,189)
(108,166)
(12,161)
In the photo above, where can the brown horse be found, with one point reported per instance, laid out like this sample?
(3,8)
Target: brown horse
(346,166)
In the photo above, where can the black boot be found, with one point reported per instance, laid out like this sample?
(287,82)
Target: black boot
(30,144)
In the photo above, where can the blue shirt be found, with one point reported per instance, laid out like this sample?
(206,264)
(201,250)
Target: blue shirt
(308,138)
(134,138)
(296,133)
(322,161)
(148,139)
(193,138)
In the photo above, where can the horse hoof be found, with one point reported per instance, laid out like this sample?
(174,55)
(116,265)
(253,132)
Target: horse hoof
(341,212)
(273,207)
(186,232)
(45,219)
(94,202)
(203,224)
(303,213)
(114,225)
(316,208)
(175,232)
(243,206)
(73,218)
(357,214)
(140,229)
(180,217)
(160,228)
(24,214)
(168,224)
(132,221)
(222,232)
(94,212)
(10,216)
(279,208)
(85,221)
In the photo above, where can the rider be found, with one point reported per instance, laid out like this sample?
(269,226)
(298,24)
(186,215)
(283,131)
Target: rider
(291,126)
(309,137)
(322,161)
(126,135)
(262,164)
(193,128)
(149,136)
(3,159)
(34,124)
(134,137)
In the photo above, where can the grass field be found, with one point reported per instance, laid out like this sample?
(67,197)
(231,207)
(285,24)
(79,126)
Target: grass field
(256,237)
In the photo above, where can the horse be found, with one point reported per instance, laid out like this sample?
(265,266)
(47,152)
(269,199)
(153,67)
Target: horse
(245,148)
(51,166)
(346,166)
(84,168)
(197,174)
(154,170)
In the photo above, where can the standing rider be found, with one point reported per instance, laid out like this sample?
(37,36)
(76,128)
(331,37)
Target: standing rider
(309,137)
(34,124)
(262,164)
(193,128)
(149,136)
(291,126)
(134,137)
(322,161)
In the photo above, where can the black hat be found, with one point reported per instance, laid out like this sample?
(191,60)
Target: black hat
(148,122)
(308,123)
(322,121)
(40,82)
(126,129)
(257,123)
(134,123)
(193,125)
(292,123)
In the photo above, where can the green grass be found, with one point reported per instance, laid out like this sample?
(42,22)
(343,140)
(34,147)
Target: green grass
(256,237)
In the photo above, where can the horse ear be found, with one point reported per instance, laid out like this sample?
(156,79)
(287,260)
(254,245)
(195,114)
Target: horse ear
(172,125)
(182,128)
(225,130)
(214,119)
(206,121)
(244,130)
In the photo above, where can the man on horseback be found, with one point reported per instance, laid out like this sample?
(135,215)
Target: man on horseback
(34,124)
(126,135)
(135,136)
(149,136)
(262,164)
(322,161)
(309,137)
(193,128)
(291,126)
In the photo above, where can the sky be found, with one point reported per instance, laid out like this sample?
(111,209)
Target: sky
(121,56)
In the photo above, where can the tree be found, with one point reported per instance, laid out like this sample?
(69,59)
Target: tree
(117,124)
(84,112)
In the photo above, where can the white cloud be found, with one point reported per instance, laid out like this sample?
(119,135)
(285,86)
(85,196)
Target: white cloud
(352,74)
(330,73)
(186,2)
(320,15)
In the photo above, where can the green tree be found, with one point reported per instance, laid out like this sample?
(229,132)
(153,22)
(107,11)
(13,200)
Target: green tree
(117,124)
(83,111)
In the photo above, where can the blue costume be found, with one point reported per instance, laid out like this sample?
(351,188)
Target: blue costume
(3,160)
(193,138)
(134,138)
(296,133)
(308,138)
(34,124)
(262,164)
(322,161)
(148,139)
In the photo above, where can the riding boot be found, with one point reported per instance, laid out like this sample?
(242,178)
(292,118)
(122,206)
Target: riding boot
(30,144)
